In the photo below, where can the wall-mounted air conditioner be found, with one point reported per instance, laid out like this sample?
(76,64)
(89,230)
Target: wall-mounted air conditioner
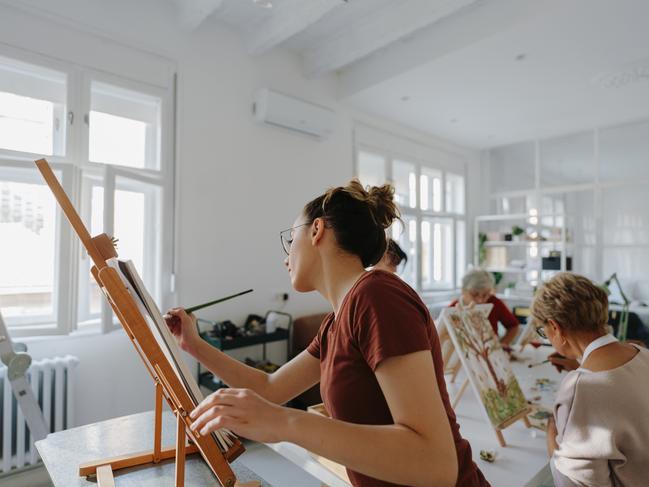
(292,113)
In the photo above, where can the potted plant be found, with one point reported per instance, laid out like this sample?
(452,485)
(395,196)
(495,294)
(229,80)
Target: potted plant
(517,232)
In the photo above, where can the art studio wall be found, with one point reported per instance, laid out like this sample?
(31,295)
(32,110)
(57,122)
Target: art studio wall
(237,183)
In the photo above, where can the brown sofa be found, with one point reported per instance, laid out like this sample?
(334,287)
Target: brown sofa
(305,329)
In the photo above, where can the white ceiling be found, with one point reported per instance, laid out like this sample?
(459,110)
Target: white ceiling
(327,34)
(478,72)
(585,64)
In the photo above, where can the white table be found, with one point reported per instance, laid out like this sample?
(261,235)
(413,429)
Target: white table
(523,463)
(303,459)
(62,453)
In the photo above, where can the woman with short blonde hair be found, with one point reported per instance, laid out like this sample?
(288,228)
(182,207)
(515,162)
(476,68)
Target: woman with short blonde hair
(599,435)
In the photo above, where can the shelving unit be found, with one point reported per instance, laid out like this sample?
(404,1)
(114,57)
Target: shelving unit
(206,378)
(532,223)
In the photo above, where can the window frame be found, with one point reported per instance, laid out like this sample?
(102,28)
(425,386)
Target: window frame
(48,63)
(63,270)
(389,157)
(76,169)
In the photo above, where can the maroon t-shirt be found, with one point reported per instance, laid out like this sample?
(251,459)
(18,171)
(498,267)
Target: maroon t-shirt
(380,317)
(499,312)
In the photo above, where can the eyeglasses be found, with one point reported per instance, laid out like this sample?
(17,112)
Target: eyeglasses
(286,237)
(540,330)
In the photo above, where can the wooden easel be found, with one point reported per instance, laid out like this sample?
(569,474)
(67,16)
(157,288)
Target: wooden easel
(168,384)
(449,351)
(451,368)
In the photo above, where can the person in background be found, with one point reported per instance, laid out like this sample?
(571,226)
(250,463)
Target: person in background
(478,288)
(599,435)
(392,258)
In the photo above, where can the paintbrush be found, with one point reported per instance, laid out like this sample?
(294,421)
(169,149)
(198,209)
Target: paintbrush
(173,321)
(216,301)
(539,363)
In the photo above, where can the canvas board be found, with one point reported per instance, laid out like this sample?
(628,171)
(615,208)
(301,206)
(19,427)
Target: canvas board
(485,362)
(529,335)
(154,319)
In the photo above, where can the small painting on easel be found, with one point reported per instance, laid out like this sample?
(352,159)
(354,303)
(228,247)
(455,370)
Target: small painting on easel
(485,363)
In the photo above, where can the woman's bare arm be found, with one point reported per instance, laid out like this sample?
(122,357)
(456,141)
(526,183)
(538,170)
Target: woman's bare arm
(290,380)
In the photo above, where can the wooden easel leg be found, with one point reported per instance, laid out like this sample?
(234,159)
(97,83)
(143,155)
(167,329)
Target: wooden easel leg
(447,347)
(522,415)
(180,450)
(105,476)
(459,394)
(501,438)
(456,370)
(157,435)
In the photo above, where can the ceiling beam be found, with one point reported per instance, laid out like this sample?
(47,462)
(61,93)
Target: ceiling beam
(452,34)
(288,19)
(379,29)
(194,12)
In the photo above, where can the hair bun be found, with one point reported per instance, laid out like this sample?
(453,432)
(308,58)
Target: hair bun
(359,217)
(380,200)
(384,209)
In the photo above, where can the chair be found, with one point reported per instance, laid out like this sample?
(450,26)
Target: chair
(305,329)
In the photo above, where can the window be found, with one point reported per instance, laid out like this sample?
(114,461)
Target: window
(32,108)
(132,118)
(111,165)
(437,253)
(28,229)
(92,214)
(404,176)
(432,204)
(137,220)
(454,193)
(371,168)
(430,183)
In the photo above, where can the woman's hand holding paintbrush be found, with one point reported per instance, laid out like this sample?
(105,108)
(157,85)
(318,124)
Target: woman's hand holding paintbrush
(562,363)
(183,328)
(182,322)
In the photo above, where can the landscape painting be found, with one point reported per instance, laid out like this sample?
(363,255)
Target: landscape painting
(485,362)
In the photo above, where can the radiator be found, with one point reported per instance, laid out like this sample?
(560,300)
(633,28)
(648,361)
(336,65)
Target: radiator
(52,381)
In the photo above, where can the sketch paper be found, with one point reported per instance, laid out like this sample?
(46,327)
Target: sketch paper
(485,362)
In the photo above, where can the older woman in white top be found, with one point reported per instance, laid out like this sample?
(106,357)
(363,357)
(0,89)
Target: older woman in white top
(599,435)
